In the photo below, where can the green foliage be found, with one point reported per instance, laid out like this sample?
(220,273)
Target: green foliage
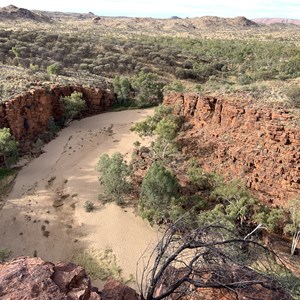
(200,60)
(293,94)
(175,86)
(33,68)
(239,203)
(5,172)
(89,206)
(159,186)
(37,146)
(15,51)
(294,211)
(5,254)
(165,132)
(72,105)
(54,69)
(100,264)
(162,126)
(217,215)
(292,66)
(149,89)
(272,218)
(8,147)
(166,128)
(114,174)
(122,88)
(190,206)
(202,180)
(148,127)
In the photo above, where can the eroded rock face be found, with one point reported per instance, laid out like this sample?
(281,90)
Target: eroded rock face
(258,144)
(32,278)
(28,114)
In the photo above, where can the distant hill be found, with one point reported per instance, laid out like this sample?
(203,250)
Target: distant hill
(276,21)
(12,12)
(212,21)
(57,15)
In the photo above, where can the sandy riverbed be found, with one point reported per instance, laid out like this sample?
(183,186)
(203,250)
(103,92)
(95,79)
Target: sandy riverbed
(65,174)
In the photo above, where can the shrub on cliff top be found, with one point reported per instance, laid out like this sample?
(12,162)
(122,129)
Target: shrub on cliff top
(293,94)
(149,89)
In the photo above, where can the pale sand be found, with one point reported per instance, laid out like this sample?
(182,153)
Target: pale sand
(71,158)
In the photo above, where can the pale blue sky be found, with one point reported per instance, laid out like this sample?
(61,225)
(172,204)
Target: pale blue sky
(160,8)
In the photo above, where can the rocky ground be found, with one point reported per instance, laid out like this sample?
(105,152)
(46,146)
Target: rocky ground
(38,279)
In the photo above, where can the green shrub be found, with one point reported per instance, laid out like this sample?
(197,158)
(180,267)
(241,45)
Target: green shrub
(149,89)
(198,177)
(54,69)
(89,206)
(5,254)
(122,88)
(72,105)
(293,94)
(175,86)
(114,174)
(217,215)
(238,201)
(159,186)
(272,218)
(8,147)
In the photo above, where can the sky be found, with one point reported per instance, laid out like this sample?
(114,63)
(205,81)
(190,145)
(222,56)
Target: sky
(165,9)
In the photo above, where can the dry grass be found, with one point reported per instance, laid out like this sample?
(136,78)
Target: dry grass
(99,264)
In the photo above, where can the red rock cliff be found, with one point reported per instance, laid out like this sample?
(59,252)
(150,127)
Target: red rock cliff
(28,114)
(260,145)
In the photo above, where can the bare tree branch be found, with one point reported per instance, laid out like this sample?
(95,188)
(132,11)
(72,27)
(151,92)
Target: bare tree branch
(211,257)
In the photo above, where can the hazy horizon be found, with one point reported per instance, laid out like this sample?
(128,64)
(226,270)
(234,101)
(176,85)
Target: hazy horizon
(166,9)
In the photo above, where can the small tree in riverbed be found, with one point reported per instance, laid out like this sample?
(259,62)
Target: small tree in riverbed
(114,174)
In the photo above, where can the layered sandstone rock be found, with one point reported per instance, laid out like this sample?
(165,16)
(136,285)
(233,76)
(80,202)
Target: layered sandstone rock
(260,145)
(32,278)
(28,114)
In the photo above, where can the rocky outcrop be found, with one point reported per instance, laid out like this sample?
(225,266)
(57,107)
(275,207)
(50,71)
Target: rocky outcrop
(32,278)
(28,114)
(260,145)
(116,290)
(12,12)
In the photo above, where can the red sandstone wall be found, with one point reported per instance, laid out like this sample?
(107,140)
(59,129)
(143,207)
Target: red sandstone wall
(258,144)
(27,115)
